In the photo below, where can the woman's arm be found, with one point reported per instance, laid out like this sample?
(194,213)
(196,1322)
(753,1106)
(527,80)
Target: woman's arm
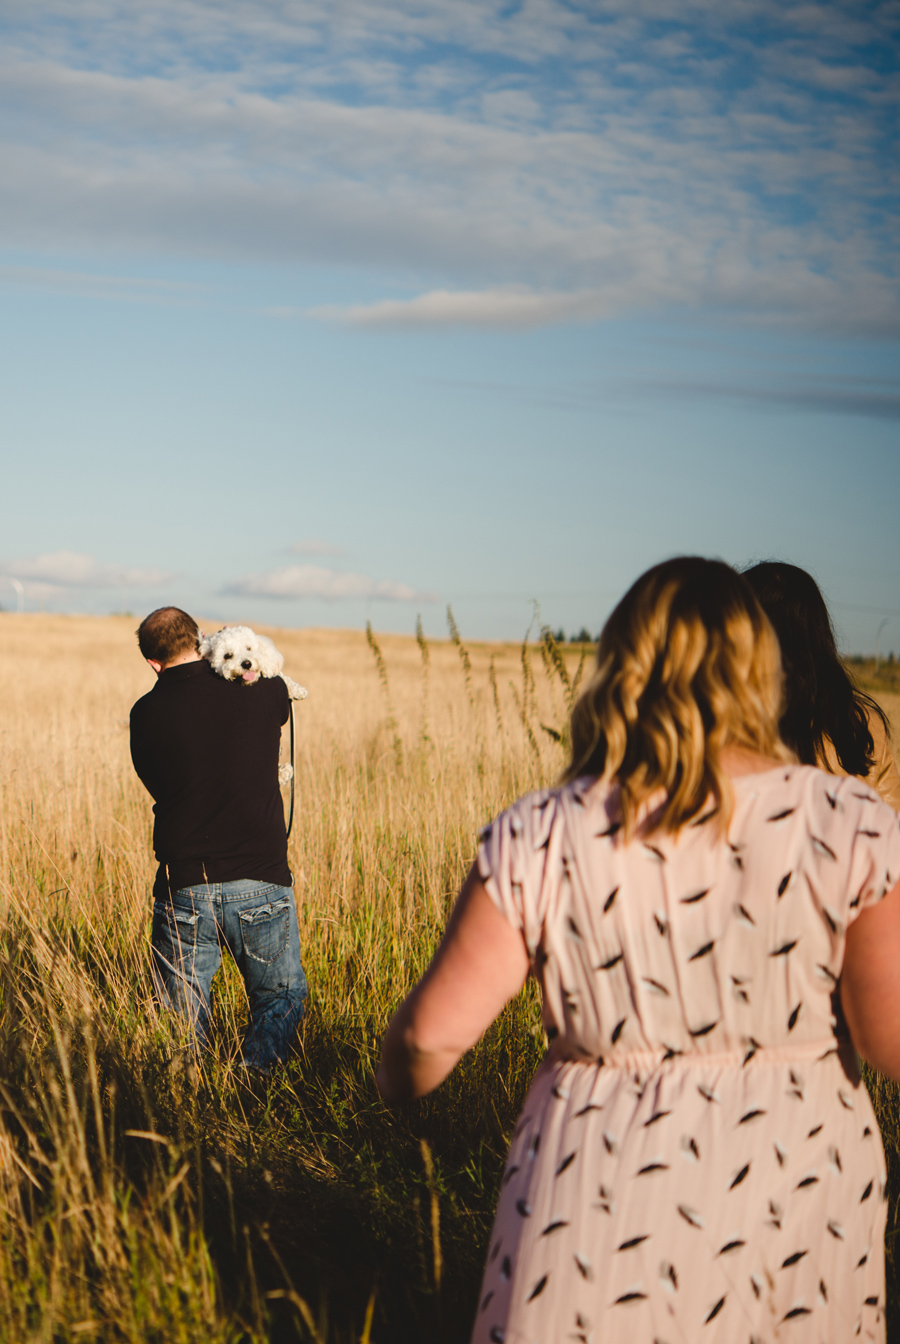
(481,963)
(870,984)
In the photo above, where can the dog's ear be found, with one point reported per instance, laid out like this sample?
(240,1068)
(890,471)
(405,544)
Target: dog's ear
(270,660)
(204,648)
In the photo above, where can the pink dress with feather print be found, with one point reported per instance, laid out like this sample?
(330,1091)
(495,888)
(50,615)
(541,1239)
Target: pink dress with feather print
(696,1159)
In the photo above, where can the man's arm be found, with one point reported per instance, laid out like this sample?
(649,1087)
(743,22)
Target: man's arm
(284,699)
(140,756)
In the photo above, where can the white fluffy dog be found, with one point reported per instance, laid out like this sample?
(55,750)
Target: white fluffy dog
(238,653)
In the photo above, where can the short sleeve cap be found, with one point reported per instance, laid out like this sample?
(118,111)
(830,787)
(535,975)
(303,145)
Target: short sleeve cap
(518,861)
(875,862)
(500,864)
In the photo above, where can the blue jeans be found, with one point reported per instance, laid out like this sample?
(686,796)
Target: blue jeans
(257,922)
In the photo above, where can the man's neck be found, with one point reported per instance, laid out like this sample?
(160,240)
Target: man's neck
(192,656)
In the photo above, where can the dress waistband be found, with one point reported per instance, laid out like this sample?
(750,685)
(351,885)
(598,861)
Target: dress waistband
(649,1061)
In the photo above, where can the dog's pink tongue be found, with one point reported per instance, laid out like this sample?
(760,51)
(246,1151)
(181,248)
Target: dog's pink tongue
(249,676)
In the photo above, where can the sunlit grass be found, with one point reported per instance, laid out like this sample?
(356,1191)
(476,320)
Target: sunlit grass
(144,1197)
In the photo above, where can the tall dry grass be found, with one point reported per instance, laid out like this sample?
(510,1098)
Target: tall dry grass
(147,1198)
(144,1197)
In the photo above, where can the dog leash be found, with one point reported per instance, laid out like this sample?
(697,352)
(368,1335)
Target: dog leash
(293,774)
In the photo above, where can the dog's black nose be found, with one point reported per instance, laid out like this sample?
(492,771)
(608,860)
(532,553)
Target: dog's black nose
(246,664)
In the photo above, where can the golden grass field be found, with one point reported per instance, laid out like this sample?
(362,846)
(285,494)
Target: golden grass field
(147,1199)
(400,761)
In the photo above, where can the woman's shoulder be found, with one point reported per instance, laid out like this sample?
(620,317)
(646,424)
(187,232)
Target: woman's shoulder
(806,780)
(830,804)
(534,811)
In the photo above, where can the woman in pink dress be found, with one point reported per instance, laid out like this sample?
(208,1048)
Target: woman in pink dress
(696,1159)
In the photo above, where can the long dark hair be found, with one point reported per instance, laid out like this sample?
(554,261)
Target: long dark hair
(820,700)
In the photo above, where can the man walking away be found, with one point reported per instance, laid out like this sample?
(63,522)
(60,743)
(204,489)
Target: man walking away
(207,749)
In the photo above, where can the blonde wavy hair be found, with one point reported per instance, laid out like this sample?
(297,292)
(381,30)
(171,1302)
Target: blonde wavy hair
(687,664)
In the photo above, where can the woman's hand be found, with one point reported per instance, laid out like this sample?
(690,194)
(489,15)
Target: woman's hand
(481,963)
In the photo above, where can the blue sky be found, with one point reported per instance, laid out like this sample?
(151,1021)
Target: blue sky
(318,312)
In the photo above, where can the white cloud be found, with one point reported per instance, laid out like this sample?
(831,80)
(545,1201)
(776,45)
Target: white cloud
(783,294)
(485,308)
(33,592)
(72,569)
(298,581)
(315,547)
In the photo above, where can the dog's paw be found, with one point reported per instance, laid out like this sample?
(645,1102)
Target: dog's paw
(285,775)
(295,690)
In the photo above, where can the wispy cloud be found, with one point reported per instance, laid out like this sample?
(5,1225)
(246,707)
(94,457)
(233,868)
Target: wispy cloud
(73,569)
(834,394)
(837,396)
(299,581)
(543,162)
(785,295)
(35,591)
(89,284)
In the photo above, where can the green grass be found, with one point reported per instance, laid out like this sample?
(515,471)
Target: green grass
(305,1185)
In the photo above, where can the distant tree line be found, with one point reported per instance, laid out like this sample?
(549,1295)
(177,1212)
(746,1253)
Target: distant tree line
(583,636)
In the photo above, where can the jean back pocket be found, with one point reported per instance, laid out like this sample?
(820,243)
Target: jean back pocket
(265,931)
(179,925)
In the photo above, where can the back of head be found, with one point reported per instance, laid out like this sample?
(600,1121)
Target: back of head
(820,700)
(167,633)
(687,664)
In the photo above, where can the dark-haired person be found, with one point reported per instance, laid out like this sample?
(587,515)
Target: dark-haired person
(207,750)
(826,720)
(696,1159)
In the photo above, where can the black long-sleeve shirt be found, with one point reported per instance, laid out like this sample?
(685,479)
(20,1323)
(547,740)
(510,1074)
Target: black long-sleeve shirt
(206,749)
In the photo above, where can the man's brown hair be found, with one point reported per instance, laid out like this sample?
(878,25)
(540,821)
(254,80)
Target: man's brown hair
(166,633)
